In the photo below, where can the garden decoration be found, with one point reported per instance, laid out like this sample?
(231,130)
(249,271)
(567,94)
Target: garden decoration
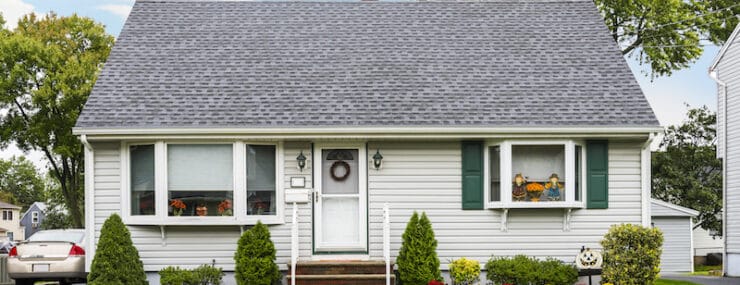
(201,210)
(177,207)
(553,188)
(535,191)
(519,189)
(333,170)
(588,259)
(224,208)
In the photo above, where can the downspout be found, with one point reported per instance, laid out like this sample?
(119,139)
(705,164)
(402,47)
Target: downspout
(723,89)
(646,180)
(89,202)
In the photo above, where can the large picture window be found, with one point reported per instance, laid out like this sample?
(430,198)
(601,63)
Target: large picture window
(200,179)
(535,174)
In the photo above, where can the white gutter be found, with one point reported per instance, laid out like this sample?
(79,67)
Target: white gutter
(723,86)
(645,172)
(89,202)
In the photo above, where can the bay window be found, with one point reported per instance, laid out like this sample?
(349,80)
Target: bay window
(534,174)
(181,183)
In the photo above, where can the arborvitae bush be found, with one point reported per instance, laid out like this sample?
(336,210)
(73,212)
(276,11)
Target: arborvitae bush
(116,259)
(203,275)
(417,260)
(255,258)
(631,255)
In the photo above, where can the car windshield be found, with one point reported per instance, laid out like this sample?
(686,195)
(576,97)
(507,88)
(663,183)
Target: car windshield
(75,237)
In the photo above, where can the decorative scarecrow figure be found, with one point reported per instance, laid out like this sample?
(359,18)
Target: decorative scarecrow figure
(519,189)
(553,188)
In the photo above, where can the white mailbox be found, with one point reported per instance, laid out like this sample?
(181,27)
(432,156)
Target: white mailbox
(298,195)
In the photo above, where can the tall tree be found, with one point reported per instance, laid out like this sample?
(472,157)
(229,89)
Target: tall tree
(667,34)
(687,172)
(20,182)
(48,66)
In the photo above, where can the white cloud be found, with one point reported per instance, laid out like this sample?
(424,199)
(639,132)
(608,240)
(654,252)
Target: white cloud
(118,9)
(13,10)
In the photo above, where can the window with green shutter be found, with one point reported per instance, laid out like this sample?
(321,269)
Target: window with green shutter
(597,174)
(472,175)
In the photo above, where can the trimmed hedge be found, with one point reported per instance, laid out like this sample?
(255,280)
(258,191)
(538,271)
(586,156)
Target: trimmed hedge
(116,259)
(527,270)
(417,260)
(203,275)
(255,258)
(631,255)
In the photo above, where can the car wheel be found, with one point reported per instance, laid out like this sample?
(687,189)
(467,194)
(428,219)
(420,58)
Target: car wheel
(24,281)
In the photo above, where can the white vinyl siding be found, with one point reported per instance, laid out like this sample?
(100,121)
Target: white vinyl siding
(415,175)
(704,243)
(425,176)
(676,256)
(729,72)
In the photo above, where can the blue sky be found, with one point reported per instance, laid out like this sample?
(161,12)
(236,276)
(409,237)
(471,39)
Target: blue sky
(667,95)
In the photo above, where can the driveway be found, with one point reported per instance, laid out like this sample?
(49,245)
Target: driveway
(704,280)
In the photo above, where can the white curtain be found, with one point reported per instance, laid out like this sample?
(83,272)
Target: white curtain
(200,167)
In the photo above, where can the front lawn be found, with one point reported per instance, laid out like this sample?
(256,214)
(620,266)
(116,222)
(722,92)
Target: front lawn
(673,282)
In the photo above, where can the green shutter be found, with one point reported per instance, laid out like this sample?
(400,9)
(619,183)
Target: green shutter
(597,174)
(472,175)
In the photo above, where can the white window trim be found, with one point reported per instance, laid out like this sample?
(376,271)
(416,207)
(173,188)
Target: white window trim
(35,217)
(240,216)
(505,160)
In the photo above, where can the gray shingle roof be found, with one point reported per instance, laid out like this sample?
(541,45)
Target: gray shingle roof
(293,64)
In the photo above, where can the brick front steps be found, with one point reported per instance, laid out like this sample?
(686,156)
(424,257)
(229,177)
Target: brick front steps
(340,273)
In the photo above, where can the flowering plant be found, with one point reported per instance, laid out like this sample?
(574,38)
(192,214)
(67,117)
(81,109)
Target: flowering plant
(177,206)
(435,282)
(224,208)
(535,187)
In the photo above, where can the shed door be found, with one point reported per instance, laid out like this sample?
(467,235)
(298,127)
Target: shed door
(677,254)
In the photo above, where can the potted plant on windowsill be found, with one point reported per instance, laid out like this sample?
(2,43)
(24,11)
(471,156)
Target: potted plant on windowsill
(535,190)
(177,207)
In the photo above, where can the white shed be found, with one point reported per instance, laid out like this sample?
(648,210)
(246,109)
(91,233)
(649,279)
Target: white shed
(676,223)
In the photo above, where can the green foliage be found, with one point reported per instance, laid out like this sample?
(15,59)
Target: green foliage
(116,259)
(48,66)
(528,270)
(203,275)
(667,34)
(687,172)
(465,271)
(631,255)
(417,260)
(255,258)
(20,182)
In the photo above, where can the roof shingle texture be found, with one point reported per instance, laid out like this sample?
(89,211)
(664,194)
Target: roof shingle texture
(314,64)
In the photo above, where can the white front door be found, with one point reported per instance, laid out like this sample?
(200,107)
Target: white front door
(340,212)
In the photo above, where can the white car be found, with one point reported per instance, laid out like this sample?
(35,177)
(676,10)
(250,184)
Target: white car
(50,255)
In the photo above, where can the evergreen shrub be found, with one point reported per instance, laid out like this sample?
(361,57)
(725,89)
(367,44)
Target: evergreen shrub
(631,255)
(255,258)
(116,259)
(417,260)
(203,275)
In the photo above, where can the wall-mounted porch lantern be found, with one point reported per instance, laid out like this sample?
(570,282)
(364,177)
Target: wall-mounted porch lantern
(377,160)
(301,161)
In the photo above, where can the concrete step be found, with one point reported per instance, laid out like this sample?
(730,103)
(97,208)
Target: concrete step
(341,279)
(340,267)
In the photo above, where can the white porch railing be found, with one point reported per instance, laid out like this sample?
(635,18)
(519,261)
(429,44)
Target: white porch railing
(293,243)
(387,242)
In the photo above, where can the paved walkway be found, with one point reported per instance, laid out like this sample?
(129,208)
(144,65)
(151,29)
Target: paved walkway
(704,280)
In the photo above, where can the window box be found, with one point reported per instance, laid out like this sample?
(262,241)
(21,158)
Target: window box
(201,183)
(550,174)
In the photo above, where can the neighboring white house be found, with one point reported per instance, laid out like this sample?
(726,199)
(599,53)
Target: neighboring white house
(345,107)
(726,72)
(706,242)
(677,226)
(10,222)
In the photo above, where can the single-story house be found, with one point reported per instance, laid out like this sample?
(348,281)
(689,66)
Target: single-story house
(725,70)
(32,218)
(677,226)
(707,242)
(10,226)
(212,115)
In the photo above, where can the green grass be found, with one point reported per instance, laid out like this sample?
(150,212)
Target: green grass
(704,269)
(673,282)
